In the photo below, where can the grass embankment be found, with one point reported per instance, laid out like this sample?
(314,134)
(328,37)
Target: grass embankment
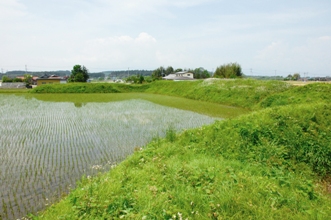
(14,90)
(239,93)
(269,164)
(258,166)
(89,88)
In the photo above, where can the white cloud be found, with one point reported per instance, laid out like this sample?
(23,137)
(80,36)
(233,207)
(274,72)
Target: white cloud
(312,56)
(114,52)
(149,33)
(145,38)
(324,38)
(124,40)
(11,9)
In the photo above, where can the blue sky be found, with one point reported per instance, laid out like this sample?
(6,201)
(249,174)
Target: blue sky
(265,37)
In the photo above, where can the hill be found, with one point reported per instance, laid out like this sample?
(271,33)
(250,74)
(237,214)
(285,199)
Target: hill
(37,73)
(272,163)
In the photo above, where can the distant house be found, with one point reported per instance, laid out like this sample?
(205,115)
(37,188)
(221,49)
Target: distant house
(53,79)
(184,75)
(34,79)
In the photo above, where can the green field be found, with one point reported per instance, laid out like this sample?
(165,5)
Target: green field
(47,146)
(273,162)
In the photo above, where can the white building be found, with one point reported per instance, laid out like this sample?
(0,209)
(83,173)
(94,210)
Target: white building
(184,75)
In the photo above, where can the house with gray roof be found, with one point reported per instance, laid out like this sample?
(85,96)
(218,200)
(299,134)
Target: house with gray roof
(183,75)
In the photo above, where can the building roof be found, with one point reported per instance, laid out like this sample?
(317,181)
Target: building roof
(179,76)
(54,77)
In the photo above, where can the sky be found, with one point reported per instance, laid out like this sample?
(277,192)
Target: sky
(266,37)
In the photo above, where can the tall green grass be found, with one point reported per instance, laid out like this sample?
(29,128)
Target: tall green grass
(316,92)
(239,92)
(284,137)
(264,165)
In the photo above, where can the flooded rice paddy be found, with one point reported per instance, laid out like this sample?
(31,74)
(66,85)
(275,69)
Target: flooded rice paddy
(45,147)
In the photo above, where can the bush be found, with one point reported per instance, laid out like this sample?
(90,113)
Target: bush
(17,80)
(231,70)
(6,79)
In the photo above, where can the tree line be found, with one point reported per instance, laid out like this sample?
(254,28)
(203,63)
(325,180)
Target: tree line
(199,73)
(230,70)
(15,73)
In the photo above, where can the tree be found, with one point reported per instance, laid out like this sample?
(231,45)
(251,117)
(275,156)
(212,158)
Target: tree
(132,79)
(296,76)
(205,74)
(158,73)
(169,70)
(141,79)
(79,74)
(136,79)
(289,77)
(230,70)
(200,73)
(27,79)
(6,79)
(17,80)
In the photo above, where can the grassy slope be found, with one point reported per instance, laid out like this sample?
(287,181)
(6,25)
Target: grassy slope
(241,93)
(264,165)
(14,90)
(316,92)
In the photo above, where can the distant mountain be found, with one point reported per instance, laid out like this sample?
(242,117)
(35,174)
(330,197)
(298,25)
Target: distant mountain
(103,74)
(121,74)
(15,73)
(126,73)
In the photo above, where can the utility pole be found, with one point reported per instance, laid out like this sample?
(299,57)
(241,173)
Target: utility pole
(275,74)
(304,76)
(26,69)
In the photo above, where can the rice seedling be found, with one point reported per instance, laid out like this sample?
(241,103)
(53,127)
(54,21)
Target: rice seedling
(45,147)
